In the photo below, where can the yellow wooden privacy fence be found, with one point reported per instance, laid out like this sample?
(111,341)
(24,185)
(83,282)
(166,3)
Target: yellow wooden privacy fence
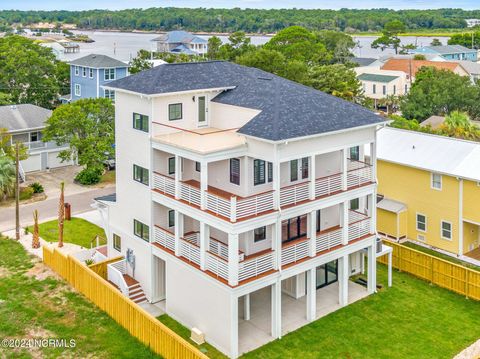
(129,315)
(435,270)
(101,267)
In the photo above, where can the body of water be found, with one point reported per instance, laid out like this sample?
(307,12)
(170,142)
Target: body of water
(125,45)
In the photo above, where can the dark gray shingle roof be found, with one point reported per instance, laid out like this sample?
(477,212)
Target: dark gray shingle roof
(23,117)
(107,198)
(288,109)
(98,62)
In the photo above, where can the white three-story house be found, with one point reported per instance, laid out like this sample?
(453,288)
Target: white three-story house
(244,201)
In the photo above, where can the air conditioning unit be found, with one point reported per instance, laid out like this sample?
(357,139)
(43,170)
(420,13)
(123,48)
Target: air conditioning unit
(197,336)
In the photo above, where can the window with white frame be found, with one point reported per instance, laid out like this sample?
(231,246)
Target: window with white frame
(77,70)
(421,222)
(109,74)
(84,71)
(446,230)
(78,90)
(109,94)
(90,74)
(436,181)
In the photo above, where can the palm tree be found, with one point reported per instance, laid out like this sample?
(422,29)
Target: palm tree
(61,214)
(35,238)
(458,124)
(7,176)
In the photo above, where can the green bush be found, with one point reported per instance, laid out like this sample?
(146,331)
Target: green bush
(26,193)
(89,176)
(37,187)
(89,261)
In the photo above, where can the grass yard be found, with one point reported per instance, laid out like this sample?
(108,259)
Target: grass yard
(185,333)
(440,255)
(34,303)
(413,319)
(77,230)
(108,177)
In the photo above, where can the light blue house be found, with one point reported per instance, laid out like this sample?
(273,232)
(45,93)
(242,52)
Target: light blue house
(449,52)
(88,74)
(181,42)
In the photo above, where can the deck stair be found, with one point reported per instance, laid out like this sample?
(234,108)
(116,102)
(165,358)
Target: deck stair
(131,288)
(135,291)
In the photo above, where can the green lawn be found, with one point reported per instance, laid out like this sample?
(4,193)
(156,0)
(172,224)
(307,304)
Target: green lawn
(34,304)
(185,333)
(77,230)
(413,319)
(108,177)
(440,255)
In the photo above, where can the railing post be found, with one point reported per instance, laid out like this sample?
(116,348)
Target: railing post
(204,244)
(203,185)
(312,244)
(345,224)
(178,176)
(178,231)
(233,209)
(344,169)
(312,177)
(233,264)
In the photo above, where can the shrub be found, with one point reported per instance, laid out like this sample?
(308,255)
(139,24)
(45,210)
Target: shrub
(89,176)
(89,261)
(37,187)
(26,193)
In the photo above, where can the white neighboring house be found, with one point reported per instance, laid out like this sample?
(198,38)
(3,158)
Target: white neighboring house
(181,42)
(244,201)
(378,84)
(25,124)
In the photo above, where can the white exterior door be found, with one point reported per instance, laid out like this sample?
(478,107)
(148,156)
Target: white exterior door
(202,111)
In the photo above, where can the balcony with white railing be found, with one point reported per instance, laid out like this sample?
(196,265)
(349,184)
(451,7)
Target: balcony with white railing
(233,208)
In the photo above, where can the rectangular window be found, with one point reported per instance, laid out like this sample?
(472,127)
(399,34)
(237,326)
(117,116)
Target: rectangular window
(141,230)
(109,74)
(293,170)
(140,122)
(77,70)
(270,172)
(78,90)
(235,171)
(35,136)
(258,172)
(421,222)
(384,89)
(355,153)
(117,242)
(436,181)
(171,166)
(260,234)
(171,218)
(109,94)
(140,174)
(446,230)
(84,71)
(374,89)
(304,167)
(90,73)
(198,166)
(355,204)
(175,111)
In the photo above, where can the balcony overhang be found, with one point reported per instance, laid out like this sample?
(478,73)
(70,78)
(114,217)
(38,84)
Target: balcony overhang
(203,141)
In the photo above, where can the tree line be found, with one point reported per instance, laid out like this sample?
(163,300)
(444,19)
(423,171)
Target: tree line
(248,20)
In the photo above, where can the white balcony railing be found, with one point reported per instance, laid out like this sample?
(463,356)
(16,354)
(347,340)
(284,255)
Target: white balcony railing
(217,265)
(359,173)
(359,229)
(293,194)
(164,238)
(190,194)
(328,239)
(295,251)
(255,266)
(190,251)
(253,205)
(115,272)
(164,184)
(328,185)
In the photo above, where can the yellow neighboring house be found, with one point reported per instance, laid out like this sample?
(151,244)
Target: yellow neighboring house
(429,190)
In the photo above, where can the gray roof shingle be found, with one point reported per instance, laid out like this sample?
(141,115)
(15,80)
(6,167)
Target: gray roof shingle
(98,62)
(23,117)
(288,109)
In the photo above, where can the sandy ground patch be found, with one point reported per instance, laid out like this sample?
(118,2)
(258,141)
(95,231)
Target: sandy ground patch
(472,352)
(41,272)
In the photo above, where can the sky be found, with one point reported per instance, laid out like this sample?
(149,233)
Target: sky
(261,4)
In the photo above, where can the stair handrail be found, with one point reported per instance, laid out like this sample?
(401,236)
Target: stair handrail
(115,272)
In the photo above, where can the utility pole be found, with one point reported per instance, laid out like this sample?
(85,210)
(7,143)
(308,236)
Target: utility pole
(17,193)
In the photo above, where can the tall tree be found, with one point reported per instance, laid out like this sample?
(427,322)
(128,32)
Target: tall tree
(87,126)
(7,176)
(61,214)
(29,73)
(214,44)
(8,149)
(389,37)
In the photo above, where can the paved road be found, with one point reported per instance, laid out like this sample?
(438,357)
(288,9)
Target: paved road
(48,209)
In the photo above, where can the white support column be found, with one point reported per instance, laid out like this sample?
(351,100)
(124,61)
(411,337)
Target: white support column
(372,211)
(204,244)
(344,168)
(276,309)
(232,259)
(373,158)
(390,257)
(276,184)
(343,280)
(344,217)
(233,326)
(311,176)
(246,307)
(277,244)
(203,184)
(178,231)
(178,175)
(312,233)
(311,295)
(372,268)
